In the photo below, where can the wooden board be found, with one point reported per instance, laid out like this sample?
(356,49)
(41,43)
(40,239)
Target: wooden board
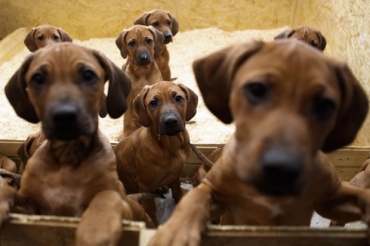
(54,230)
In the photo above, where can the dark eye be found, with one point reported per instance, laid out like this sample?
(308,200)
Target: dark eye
(323,108)
(256,92)
(153,103)
(313,43)
(55,37)
(89,76)
(40,38)
(155,24)
(37,80)
(169,22)
(149,41)
(179,98)
(132,43)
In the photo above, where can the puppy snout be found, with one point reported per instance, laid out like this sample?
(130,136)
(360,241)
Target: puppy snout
(167,37)
(171,124)
(281,171)
(65,114)
(143,58)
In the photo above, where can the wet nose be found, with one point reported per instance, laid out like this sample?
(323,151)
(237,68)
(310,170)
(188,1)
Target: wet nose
(168,37)
(65,114)
(170,120)
(281,169)
(143,57)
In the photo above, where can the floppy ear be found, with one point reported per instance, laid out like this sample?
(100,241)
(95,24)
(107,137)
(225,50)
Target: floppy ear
(119,86)
(15,91)
(214,74)
(175,24)
(158,39)
(192,102)
(103,108)
(65,36)
(286,34)
(142,19)
(29,40)
(352,112)
(140,108)
(322,41)
(121,45)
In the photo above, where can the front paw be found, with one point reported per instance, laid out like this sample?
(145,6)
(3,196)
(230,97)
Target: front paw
(7,198)
(175,235)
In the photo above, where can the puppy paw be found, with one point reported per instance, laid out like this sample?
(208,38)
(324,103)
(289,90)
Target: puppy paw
(7,198)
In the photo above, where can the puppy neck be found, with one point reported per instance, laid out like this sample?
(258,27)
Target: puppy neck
(74,151)
(168,142)
(142,71)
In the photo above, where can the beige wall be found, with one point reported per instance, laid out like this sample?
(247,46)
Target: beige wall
(85,19)
(346,26)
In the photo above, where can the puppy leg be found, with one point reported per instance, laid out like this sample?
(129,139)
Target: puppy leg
(101,223)
(346,205)
(7,200)
(188,221)
(176,189)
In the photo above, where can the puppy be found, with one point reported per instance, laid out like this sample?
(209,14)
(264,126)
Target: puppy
(45,35)
(306,34)
(139,44)
(73,172)
(164,22)
(288,102)
(153,156)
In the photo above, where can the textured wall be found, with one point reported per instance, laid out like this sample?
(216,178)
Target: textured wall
(85,19)
(345,24)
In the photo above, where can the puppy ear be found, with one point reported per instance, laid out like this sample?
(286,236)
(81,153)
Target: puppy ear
(352,112)
(121,45)
(286,34)
(119,86)
(158,39)
(175,24)
(15,91)
(142,19)
(103,109)
(192,102)
(64,36)
(215,72)
(322,41)
(140,108)
(29,40)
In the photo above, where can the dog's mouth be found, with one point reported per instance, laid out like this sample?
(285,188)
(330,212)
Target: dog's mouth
(143,59)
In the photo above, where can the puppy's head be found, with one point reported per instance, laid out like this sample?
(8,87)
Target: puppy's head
(306,34)
(63,87)
(161,20)
(45,35)
(288,101)
(139,44)
(165,106)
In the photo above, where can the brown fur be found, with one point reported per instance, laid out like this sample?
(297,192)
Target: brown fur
(288,102)
(153,156)
(306,34)
(133,44)
(45,35)
(73,172)
(164,22)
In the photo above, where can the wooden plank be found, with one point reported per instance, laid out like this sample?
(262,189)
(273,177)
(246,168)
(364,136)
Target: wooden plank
(276,236)
(53,230)
(12,44)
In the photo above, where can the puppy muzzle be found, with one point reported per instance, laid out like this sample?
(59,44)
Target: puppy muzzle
(170,124)
(280,172)
(167,37)
(143,58)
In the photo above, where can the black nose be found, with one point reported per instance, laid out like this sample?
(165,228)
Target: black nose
(65,114)
(168,37)
(170,121)
(143,57)
(65,122)
(281,170)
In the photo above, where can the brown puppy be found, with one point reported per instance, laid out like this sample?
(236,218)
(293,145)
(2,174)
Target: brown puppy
(288,102)
(73,172)
(8,175)
(305,33)
(45,35)
(139,44)
(153,156)
(164,22)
